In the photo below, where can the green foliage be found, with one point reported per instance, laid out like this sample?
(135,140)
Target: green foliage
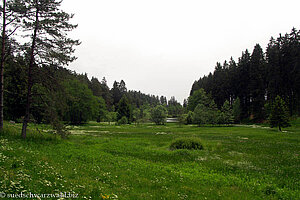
(14,89)
(174,108)
(190,117)
(212,113)
(198,97)
(159,115)
(279,114)
(102,110)
(50,45)
(81,104)
(227,114)
(124,109)
(182,119)
(186,143)
(123,120)
(111,116)
(200,115)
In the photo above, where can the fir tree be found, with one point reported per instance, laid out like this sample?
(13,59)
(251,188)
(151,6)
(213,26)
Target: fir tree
(124,109)
(227,113)
(279,114)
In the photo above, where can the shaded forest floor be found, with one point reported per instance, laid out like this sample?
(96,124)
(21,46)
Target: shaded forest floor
(102,161)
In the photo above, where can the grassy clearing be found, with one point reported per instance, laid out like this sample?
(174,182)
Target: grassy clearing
(135,162)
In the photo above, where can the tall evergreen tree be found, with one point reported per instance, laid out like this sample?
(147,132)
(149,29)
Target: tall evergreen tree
(243,82)
(124,109)
(256,83)
(47,26)
(279,114)
(227,113)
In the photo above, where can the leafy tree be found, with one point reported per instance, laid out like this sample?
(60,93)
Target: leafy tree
(279,114)
(46,26)
(190,117)
(123,120)
(124,109)
(159,115)
(200,115)
(111,117)
(182,119)
(81,104)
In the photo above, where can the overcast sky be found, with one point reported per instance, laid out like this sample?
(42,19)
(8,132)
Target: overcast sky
(162,46)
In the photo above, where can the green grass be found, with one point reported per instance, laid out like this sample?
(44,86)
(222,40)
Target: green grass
(135,162)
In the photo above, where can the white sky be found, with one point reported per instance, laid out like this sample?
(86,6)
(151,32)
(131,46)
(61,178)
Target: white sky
(162,46)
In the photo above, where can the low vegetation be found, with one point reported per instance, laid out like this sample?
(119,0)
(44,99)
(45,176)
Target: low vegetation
(186,143)
(103,161)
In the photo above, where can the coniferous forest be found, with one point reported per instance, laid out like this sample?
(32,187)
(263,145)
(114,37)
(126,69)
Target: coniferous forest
(257,78)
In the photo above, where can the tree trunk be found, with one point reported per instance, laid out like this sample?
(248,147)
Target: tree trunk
(279,128)
(30,82)
(2,63)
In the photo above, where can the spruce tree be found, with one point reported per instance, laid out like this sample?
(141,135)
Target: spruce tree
(124,109)
(279,114)
(256,83)
(227,113)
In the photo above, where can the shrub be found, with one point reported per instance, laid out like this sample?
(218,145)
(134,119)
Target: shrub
(186,143)
(123,120)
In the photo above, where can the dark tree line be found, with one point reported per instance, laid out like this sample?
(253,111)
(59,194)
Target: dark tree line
(258,77)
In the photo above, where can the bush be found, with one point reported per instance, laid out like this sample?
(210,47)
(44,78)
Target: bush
(186,143)
(123,120)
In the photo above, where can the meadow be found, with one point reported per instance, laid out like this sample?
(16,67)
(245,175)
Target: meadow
(103,161)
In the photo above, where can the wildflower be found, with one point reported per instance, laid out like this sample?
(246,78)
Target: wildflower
(105,196)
